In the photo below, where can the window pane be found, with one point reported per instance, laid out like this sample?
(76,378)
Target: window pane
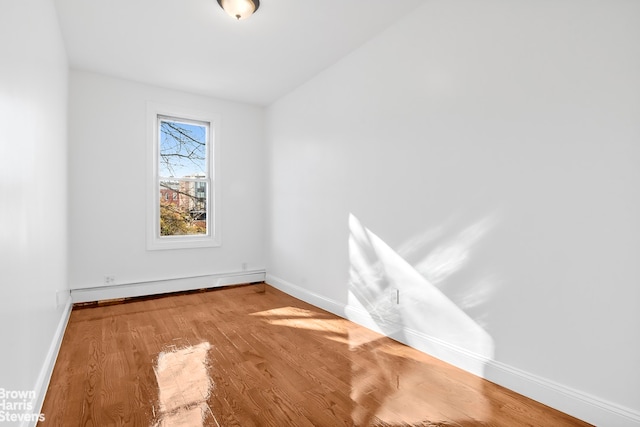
(183,208)
(183,149)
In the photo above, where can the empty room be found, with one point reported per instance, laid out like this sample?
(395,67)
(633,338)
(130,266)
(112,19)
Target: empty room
(320,213)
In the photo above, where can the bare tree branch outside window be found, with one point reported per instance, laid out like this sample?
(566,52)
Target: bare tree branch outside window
(183,177)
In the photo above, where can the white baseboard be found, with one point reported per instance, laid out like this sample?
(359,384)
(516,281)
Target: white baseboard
(42,383)
(584,406)
(307,296)
(573,402)
(156,287)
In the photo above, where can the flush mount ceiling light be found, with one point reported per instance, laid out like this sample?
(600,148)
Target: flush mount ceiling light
(239,9)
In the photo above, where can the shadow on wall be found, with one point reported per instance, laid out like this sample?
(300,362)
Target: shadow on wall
(388,294)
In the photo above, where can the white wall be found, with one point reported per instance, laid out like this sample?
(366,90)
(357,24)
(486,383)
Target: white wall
(108,166)
(33,189)
(494,146)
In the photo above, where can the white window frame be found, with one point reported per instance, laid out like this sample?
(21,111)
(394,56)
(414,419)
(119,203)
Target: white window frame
(213,237)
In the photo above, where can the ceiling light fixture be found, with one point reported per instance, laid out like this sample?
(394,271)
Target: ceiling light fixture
(239,9)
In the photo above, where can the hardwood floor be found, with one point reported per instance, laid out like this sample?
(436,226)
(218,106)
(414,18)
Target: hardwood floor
(237,357)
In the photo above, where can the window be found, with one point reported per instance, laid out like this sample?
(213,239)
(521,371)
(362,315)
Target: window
(182,205)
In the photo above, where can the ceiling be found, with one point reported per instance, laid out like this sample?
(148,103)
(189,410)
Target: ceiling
(193,45)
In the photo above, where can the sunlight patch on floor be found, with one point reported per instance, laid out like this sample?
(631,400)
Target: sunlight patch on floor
(393,389)
(285,312)
(184,386)
(293,317)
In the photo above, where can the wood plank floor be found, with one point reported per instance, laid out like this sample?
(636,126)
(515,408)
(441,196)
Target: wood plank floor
(237,357)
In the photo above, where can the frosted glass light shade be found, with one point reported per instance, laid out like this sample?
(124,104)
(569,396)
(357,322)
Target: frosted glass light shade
(239,9)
